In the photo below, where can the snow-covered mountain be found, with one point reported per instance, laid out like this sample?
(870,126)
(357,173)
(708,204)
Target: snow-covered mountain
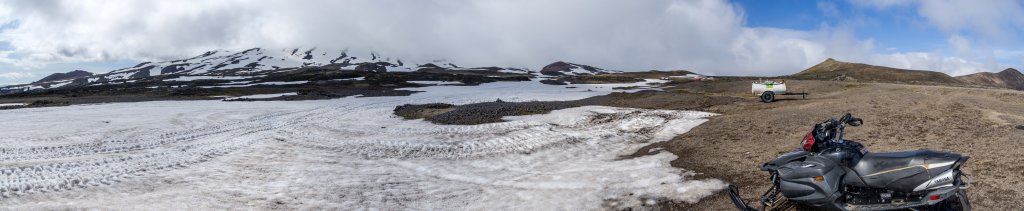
(260,61)
(256,62)
(560,68)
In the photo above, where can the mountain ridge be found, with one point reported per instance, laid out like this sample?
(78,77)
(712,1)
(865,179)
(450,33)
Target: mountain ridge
(1008,78)
(65,76)
(254,62)
(832,69)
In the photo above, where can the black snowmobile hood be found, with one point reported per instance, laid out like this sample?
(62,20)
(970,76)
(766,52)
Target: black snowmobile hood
(783,159)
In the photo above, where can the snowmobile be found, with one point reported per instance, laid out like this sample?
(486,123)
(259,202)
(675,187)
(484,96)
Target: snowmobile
(831,173)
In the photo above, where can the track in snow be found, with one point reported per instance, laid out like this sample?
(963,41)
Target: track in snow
(346,153)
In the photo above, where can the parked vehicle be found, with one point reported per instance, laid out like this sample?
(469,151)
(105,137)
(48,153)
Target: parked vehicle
(767,90)
(832,173)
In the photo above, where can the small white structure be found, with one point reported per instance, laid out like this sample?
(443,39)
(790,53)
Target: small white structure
(758,88)
(766,90)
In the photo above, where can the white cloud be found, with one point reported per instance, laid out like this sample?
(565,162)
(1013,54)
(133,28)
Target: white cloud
(999,19)
(829,9)
(882,4)
(703,35)
(978,32)
(15,77)
(931,61)
(960,44)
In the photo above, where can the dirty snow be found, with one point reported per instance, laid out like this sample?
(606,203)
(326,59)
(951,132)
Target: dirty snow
(350,79)
(279,83)
(236,82)
(244,84)
(436,82)
(225,86)
(262,96)
(193,78)
(60,84)
(343,154)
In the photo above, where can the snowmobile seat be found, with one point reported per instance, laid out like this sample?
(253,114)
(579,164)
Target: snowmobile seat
(903,171)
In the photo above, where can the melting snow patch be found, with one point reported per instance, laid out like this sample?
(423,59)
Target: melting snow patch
(12,104)
(236,82)
(350,79)
(242,84)
(193,78)
(61,84)
(280,83)
(225,86)
(436,82)
(262,96)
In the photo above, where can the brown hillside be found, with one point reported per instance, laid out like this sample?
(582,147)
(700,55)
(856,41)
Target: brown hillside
(832,69)
(1009,78)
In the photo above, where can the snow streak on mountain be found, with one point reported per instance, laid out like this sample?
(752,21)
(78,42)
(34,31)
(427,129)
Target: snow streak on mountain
(257,62)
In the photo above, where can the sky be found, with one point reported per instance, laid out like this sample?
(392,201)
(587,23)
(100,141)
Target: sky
(715,37)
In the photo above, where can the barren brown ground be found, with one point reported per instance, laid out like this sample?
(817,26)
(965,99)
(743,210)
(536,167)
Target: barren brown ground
(979,123)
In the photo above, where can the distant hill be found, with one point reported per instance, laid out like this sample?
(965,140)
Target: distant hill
(831,69)
(1009,78)
(65,76)
(560,68)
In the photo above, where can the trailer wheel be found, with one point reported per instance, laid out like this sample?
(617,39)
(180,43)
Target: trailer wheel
(767,96)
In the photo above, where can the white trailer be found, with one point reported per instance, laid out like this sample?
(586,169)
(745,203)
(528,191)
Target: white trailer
(766,90)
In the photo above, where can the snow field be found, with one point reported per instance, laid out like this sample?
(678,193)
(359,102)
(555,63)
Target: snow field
(349,153)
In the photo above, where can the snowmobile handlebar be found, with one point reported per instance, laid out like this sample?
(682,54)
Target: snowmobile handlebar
(848,119)
(836,127)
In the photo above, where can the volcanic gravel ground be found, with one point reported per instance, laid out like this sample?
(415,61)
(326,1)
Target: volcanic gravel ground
(979,123)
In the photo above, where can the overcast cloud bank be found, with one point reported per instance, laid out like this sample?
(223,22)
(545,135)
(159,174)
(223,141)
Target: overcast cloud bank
(707,36)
